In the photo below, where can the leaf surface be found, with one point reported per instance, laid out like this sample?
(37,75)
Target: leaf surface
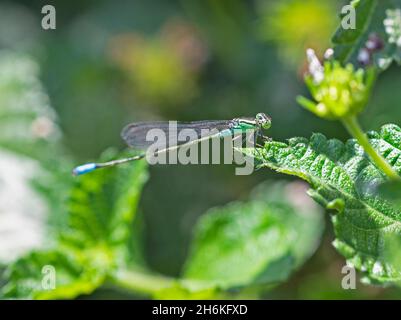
(261,241)
(344,179)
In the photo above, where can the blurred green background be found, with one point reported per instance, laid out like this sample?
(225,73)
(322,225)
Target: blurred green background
(109,63)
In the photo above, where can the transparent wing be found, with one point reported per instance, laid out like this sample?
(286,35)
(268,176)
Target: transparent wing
(138,135)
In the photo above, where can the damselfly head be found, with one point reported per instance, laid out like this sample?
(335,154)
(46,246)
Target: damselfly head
(263,120)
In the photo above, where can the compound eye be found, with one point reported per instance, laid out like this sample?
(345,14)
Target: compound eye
(260,117)
(263,120)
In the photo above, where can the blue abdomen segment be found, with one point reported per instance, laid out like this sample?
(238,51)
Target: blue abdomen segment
(85,168)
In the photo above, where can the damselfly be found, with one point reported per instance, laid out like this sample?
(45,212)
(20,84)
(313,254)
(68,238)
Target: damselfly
(136,134)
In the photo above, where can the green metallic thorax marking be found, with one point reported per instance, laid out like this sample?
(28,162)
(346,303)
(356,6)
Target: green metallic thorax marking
(245,124)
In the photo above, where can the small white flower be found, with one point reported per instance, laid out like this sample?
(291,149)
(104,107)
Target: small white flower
(316,69)
(42,127)
(392,26)
(329,54)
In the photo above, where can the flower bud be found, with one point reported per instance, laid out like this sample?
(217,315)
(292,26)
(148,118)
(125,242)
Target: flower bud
(339,92)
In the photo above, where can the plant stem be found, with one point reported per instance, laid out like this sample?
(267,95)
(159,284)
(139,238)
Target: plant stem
(353,127)
(148,284)
(140,282)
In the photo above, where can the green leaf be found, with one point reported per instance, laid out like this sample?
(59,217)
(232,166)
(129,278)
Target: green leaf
(391,191)
(392,33)
(102,205)
(257,242)
(344,179)
(31,159)
(346,41)
(56,274)
(102,208)
(28,123)
(371,16)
